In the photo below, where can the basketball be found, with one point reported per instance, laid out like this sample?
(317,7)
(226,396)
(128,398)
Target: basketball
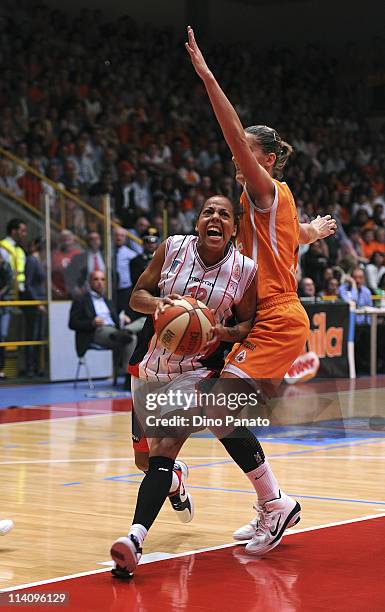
(184,328)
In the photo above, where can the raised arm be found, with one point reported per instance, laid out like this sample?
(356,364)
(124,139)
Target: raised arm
(259,182)
(319,228)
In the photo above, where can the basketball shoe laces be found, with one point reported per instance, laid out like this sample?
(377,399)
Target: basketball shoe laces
(263,521)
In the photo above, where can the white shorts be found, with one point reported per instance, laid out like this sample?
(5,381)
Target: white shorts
(180,393)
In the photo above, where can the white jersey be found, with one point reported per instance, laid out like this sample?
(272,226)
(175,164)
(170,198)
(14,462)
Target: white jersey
(219,287)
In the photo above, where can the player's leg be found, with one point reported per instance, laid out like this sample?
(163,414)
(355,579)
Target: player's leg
(180,500)
(246,450)
(270,355)
(155,487)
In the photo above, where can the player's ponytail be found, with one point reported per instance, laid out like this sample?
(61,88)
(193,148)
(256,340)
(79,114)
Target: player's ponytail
(271,142)
(282,156)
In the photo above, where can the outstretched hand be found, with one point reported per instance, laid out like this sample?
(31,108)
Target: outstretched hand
(196,56)
(324,226)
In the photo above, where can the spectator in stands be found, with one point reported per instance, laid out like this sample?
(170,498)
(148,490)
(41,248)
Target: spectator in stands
(315,261)
(378,215)
(331,290)
(169,190)
(209,156)
(138,265)
(375,270)
(71,178)
(354,290)
(35,289)
(123,195)
(94,319)
(306,288)
(7,179)
(12,247)
(379,239)
(6,288)
(84,167)
(381,292)
(61,258)
(103,187)
(83,264)
(368,243)
(122,275)
(142,192)
(188,174)
(139,230)
(31,185)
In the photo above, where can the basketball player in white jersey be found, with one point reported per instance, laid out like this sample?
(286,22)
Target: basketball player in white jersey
(209,268)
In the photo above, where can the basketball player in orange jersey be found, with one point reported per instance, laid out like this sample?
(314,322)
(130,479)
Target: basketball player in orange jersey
(210,268)
(270,234)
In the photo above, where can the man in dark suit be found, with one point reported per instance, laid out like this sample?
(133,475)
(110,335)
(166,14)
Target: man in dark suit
(81,266)
(95,321)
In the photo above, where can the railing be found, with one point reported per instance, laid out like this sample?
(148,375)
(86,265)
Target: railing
(27,186)
(54,210)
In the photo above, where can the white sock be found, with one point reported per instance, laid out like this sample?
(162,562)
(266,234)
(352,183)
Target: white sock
(175,482)
(264,482)
(139,532)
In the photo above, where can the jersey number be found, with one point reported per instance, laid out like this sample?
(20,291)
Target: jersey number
(199,293)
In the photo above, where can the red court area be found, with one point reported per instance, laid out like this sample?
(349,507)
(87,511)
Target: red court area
(18,414)
(335,568)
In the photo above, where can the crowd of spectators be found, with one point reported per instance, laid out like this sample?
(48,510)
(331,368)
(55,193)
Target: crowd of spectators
(111,107)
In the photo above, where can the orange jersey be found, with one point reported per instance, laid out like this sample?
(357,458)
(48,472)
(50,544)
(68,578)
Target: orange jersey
(271,239)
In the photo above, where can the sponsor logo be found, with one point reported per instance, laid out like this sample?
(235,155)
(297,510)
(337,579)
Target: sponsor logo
(305,367)
(249,345)
(275,531)
(236,275)
(240,357)
(201,281)
(168,336)
(175,264)
(325,342)
(233,287)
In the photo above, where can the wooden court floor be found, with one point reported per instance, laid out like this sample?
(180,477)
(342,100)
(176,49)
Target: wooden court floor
(68,480)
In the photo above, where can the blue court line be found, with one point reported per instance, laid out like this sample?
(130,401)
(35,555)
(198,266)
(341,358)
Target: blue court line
(122,477)
(69,484)
(296,495)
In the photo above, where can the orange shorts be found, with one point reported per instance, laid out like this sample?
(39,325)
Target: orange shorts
(278,337)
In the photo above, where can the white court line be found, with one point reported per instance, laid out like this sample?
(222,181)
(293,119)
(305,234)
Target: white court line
(186,458)
(95,460)
(78,416)
(190,552)
(309,456)
(62,408)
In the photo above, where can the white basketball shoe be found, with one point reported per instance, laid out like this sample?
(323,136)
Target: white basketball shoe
(126,552)
(265,531)
(180,499)
(5,526)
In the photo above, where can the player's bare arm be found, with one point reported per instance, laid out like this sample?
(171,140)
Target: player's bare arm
(259,183)
(319,228)
(142,298)
(245,314)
